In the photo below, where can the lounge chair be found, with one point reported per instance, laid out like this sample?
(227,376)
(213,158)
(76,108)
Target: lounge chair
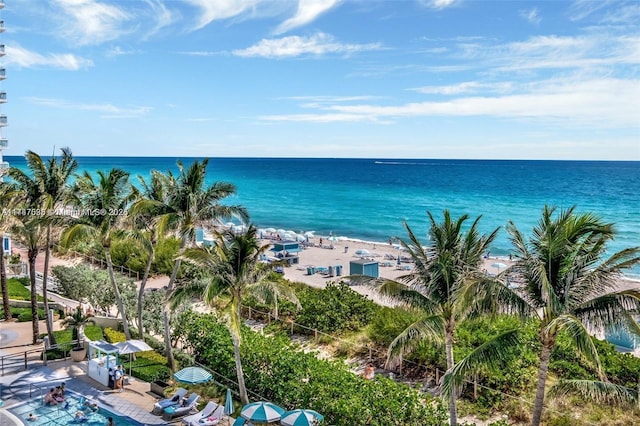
(183,409)
(208,416)
(159,406)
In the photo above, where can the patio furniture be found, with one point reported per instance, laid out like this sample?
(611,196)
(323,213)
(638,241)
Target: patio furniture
(183,409)
(159,406)
(209,415)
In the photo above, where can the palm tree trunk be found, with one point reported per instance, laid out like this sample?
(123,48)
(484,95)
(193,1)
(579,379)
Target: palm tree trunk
(116,293)
(32,254)
(143,284)
(242,388)
(453,415)
(538,405)
(166,316)
(45,277)
(5,288)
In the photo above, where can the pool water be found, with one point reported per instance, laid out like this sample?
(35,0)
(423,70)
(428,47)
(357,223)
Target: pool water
(59,415)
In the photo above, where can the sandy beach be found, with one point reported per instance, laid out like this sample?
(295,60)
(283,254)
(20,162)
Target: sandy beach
(345,251)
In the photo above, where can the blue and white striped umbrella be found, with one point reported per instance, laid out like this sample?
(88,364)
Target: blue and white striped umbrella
(261,412)
(228,403)
(301,418)
(192,375)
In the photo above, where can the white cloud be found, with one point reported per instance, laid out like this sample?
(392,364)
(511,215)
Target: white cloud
(108,110)
(160,15)
(21,57)
(465,87)
(531,15)
(600,103)
(287,47)
(308,11)
(438,4)
(91,22)
(214,10)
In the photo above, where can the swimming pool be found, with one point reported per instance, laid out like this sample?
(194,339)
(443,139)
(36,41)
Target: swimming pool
(59,415)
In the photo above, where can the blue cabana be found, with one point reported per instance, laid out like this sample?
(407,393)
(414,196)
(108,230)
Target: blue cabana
(366,267)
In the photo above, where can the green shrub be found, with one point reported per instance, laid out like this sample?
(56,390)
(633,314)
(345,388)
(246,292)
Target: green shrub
(114,336)
(335,309)
(19,288)
(280,371)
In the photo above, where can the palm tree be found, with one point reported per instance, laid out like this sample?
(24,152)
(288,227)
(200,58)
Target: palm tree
(235,269)
(189,204)
(437,286)
(570,285)
(7,197)
(46,190)
(146,228)
(29,229)
(78,320)
(103,204)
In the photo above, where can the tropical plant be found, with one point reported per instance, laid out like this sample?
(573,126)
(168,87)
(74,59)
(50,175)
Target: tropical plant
(77,321)
(187,203)
(443,273)
(103,205)
(7,197)
(235,269)
(570,286)
(45,189)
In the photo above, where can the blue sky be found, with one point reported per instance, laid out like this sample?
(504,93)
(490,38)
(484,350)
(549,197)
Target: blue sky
(324,78)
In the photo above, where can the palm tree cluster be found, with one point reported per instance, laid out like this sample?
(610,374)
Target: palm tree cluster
(569,279)
(570,285)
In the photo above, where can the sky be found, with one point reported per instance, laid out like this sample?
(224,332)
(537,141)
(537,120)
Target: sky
(464,79)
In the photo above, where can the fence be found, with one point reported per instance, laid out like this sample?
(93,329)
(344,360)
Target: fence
(435,372)
(100,262)
(19,361)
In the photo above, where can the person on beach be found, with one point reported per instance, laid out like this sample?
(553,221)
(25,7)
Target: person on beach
(369,371)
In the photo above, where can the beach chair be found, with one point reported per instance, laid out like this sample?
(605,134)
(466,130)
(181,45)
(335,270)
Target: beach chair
(180,410)
(210,415)
(174,399)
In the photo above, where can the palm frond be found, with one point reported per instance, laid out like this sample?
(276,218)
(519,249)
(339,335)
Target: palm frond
(580,336)
(486,355)
(597,391)
(428,328)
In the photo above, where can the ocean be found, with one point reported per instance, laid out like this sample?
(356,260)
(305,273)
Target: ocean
(369,199)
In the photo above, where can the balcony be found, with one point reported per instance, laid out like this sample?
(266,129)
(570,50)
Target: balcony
(1,4)
(3,120)
(3,73)
(3,97)
(4,165)
(1,26)
(4,143)
(2,52)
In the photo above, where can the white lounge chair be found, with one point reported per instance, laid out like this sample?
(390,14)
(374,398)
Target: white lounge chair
(208,416)
(159,406)
(181,409)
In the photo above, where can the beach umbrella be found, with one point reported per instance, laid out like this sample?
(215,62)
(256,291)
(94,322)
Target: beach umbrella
(228,403)
(301,418)
(241,422)
(309,234)
(272,230)
(192,375)
(362,252)
(261,412)
(130,347)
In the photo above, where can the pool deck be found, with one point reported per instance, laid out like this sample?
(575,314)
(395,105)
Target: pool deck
(136,401)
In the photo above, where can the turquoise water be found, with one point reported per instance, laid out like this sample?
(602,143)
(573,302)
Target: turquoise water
(58,415)
(369,199)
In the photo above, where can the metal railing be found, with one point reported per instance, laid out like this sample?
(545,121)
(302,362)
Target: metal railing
(19,361)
